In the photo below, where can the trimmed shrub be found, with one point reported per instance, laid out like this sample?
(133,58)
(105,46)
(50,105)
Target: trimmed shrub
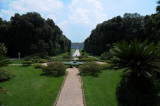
(54,69)
(67,57)
(104,66)
(82,56)
(42,60)
(89,69)
(90,59)
(56,58)
(32,57)
(27,63)
(5,75)
(38,65)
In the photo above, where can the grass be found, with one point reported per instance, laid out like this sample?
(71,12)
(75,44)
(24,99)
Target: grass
(100,91)
(30,88)
(66,53)
(16,61)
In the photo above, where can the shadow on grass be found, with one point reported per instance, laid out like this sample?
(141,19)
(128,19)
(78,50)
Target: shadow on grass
(85,74)
(51,75)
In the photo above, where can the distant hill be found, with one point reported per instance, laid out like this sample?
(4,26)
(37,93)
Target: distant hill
(74,45)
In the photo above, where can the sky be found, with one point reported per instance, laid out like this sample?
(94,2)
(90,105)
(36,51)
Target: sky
(77,18)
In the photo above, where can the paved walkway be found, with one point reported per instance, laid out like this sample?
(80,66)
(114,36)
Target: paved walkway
(76,53)
(71,93)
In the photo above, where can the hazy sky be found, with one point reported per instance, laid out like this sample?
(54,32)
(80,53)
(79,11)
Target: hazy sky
(77,18)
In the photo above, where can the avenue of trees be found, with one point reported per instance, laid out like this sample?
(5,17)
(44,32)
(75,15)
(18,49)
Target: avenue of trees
(31,34)
(127,27)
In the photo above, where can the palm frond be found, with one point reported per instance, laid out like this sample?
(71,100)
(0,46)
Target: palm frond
(135,56)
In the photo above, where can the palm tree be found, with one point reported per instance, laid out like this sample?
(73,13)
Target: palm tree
(136,58)
(137,87)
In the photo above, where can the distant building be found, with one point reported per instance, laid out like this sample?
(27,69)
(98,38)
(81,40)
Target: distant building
(79,45)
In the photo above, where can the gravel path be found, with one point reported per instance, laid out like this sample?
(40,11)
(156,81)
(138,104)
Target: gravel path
(71,93)
(76,53)
(100,62)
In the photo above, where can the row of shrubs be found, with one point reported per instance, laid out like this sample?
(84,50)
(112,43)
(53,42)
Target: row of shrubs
(28,63)
(58,69)
(87,58)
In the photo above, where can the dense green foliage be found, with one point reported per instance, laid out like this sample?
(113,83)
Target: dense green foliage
(118,28)
(100,91)
(138,85)
(138,58)
(31,34)
(30,88)
(106,56)
(54,69)
(90,69)
(158,7)
(4,74)
(38,65)
(3,60)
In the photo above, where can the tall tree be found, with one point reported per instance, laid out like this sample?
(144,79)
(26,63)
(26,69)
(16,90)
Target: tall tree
(158,7)
(31,34)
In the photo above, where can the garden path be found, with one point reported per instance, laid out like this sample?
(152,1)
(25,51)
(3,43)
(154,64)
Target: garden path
(71,93)
(76,53)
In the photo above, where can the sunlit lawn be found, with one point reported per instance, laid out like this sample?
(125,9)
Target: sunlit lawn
(30,88)
(100,91)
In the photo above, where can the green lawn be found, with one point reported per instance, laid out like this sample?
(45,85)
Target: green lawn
(100,91)
(66,53)
(16,61)
(30,88)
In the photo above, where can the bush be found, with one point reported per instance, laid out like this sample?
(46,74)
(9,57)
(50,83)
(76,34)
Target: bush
(42,60)
(27,63)
(137,92)
(32,57)
(137,87)
(56,59)
(104,66)
(89,69)
(82,56)
(106,56)
(67,57)
(5,75)
(38,65)
(54,69)
(90,59)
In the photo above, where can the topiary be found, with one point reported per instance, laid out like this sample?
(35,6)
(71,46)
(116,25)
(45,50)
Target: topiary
(89,69)
(42,60)
(38,65)
(54,69)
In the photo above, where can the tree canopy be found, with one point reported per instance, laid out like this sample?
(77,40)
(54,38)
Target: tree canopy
(118,28)
(31,34)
